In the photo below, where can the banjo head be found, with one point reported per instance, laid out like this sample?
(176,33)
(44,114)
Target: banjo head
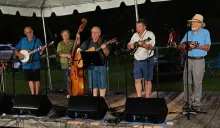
(26,55)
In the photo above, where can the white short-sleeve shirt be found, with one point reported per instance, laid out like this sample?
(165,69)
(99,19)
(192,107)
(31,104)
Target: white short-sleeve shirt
(143,53)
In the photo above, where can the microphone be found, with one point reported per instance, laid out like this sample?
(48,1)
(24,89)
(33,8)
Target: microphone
(131,30)
(117,43)
(188,25)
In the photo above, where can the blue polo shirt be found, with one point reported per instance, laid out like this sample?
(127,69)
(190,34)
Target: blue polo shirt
(24,44)
(202,37)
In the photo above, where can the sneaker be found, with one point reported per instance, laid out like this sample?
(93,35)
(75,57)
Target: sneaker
(185,107)
(67,96)
(195,108)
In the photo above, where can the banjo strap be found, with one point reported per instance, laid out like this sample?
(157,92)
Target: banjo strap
(33,54)
(34,43)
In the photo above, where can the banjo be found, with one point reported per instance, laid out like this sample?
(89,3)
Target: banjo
(29,54)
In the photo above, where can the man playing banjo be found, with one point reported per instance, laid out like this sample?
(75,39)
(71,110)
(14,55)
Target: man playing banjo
(32,68)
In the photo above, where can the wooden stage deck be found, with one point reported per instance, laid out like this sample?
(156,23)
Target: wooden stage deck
(210,104)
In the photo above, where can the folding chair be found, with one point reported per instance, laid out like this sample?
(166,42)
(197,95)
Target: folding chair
(214,66)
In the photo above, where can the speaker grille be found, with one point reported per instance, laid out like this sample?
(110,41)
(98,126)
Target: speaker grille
(5,104)
(38,105)
(154,109)
(87,107)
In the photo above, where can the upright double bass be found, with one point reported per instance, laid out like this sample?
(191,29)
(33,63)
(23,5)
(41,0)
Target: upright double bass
(76,80)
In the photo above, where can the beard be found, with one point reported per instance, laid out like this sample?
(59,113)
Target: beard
(193,28)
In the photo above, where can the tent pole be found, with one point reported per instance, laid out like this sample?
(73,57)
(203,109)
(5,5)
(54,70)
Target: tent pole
(136,10)
(48,62)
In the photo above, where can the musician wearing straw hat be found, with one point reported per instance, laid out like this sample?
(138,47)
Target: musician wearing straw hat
(199,44)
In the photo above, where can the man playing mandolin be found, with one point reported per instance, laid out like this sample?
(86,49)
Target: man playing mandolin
(196,61)
(143,57)
(97,74)
(64,50)
(32,69)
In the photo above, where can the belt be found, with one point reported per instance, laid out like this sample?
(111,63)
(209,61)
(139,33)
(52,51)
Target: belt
(196,58)
(148,59)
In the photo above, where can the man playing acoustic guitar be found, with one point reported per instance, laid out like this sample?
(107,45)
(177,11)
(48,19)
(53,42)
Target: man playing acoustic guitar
(196,61)
(143,57)
(32,69)
(97,74)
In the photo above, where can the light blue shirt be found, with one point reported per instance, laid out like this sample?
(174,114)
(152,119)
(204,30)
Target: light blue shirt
(24,44)
(202,37)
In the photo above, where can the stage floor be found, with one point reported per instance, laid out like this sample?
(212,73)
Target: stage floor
(210,104)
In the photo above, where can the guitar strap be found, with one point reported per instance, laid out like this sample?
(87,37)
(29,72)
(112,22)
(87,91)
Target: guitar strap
(142,36)
(88,43)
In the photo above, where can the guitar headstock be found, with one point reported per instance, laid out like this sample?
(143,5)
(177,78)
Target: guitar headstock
(112,41)
(51,43)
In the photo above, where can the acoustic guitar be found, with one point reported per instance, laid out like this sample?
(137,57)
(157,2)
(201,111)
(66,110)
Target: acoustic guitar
(107,43)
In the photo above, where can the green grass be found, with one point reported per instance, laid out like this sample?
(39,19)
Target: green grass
(116,79)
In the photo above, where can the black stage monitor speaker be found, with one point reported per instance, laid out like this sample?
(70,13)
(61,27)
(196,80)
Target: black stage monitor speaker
(146,110)
(38,105)
(87,107)
(5,104)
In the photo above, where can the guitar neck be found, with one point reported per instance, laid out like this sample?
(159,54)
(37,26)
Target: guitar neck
(37,49)
(105,44)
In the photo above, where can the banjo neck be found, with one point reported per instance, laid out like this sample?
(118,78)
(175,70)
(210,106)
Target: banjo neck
(37,49)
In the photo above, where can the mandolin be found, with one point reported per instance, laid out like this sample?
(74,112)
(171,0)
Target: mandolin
(136,45)
(182,47)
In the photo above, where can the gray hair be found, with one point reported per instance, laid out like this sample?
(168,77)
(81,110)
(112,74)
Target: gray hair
(65,31)
(97,28)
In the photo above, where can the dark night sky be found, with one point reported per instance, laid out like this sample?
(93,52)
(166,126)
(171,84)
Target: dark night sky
(116,22)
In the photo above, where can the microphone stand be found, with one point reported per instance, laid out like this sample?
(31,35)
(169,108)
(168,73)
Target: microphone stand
(187,75)
(3,81)
(117,54)
(45,75)
(13,74)
(126,85)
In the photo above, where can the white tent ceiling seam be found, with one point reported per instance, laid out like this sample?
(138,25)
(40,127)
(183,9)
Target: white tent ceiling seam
(59,7)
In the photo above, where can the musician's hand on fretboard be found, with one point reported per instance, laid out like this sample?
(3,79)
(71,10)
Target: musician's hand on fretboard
(42,50)
(103,46)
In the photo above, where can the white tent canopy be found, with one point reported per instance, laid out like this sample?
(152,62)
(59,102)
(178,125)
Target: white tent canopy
(60,7)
